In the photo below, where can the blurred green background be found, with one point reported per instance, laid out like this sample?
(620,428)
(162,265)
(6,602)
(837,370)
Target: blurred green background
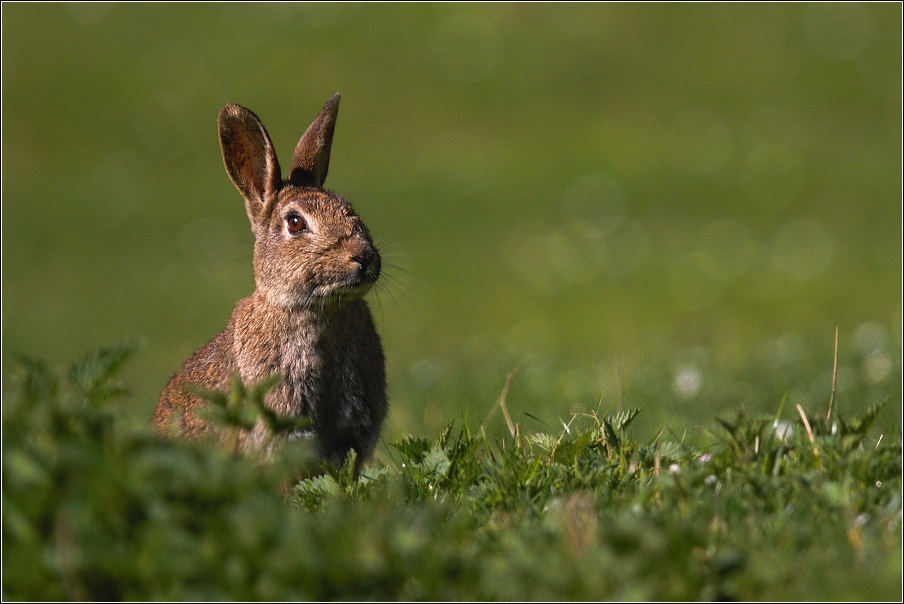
(691,196)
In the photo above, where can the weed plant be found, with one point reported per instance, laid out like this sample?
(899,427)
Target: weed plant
(785,507)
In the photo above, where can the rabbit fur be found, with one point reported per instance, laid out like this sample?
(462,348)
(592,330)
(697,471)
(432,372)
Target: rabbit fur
(307,319)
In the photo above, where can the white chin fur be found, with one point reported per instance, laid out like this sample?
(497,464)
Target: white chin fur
(320,297)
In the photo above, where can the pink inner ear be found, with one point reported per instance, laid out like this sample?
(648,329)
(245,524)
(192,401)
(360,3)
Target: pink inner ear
(249,157)
(254,166)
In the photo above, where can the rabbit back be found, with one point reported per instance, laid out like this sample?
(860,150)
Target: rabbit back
(210,366)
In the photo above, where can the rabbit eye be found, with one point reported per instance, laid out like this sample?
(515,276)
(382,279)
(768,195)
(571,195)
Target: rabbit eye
(296,224)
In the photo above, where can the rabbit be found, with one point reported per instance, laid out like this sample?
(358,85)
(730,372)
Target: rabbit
(314,260)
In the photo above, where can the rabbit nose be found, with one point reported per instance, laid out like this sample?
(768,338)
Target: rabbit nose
(368,268)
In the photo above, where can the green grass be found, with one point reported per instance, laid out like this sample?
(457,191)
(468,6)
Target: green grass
(95,507)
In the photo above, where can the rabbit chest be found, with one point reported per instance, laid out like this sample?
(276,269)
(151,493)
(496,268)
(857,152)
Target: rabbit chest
(332,363)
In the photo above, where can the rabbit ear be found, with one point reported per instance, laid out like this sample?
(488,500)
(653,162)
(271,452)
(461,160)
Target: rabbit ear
(250,159)
(312,154)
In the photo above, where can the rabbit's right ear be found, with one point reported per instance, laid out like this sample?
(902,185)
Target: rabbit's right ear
(250,160)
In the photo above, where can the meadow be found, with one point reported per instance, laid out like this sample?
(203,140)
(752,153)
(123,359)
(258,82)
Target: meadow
(668,208)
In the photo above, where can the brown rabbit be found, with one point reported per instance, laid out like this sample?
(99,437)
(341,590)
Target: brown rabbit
(307,319)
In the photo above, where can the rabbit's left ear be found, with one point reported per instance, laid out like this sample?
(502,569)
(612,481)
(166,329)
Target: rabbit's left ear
(250,160)
(311,159)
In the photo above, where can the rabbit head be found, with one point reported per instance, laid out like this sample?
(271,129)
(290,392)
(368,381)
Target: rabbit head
(311,248)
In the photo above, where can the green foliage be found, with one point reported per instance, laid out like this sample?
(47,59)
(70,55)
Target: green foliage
(765,512)
(94,375)
(314,492)
(242,407)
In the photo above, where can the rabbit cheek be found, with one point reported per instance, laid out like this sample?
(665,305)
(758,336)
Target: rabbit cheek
(333,274)
(283,273)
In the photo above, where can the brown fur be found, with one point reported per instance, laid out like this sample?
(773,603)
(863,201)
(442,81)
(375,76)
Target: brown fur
(307,318)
